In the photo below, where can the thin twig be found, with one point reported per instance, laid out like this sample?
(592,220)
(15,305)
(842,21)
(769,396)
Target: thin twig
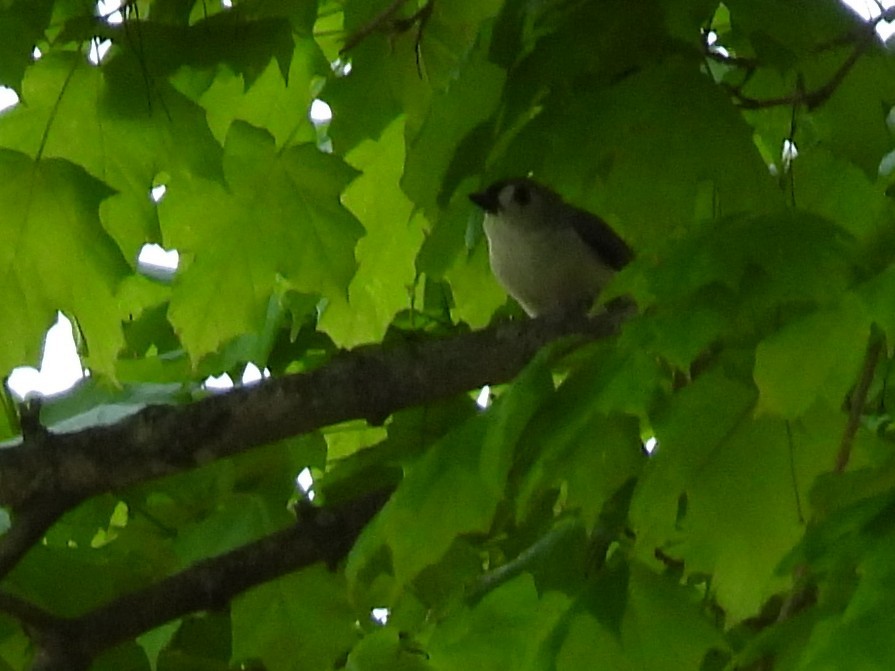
(811,99)
(858,400)
(792,472)
(373,24)
(422,16)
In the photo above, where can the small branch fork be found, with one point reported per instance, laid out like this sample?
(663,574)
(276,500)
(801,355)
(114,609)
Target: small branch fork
(861,42)
(385,21)
(858,399)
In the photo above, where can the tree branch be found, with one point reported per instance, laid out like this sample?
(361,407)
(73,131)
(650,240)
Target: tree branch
(370,26)
(322,534)
(858,400)
(29,526)
(42,479)
(370,382)
(811,99)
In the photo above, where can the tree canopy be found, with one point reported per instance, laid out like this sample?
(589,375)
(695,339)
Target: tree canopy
(705,483)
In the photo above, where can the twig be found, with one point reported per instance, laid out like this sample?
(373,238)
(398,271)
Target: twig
(420,18)
(397,26)
(792,472)
(373,24)
(811,99)
(561,531)
(858,400)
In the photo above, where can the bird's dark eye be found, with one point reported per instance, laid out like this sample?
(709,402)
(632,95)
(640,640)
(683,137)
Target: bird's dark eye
(521,194)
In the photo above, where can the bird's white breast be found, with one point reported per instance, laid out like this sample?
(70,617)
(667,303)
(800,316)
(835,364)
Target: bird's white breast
(548,271)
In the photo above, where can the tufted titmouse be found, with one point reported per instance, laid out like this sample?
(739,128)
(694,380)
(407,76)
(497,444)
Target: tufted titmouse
(551,257)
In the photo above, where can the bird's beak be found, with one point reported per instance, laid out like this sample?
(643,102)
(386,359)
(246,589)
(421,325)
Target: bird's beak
(487,200)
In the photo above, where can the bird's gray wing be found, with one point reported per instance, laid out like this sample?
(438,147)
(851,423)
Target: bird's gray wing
(600,237)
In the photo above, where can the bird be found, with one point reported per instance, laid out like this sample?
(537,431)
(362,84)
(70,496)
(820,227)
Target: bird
(551,257)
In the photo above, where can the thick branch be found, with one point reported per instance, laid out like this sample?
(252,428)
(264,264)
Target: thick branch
(321,535)
(370,383)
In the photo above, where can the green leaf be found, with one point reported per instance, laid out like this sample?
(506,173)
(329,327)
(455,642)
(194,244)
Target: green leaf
(475,290)
(509,420)
(757,263)
(468,469)
(280,215)
(16,651)
(587,642)
(236,520)
(659,610)
(429,152)
(782,31)
(154,641)
(22,25)
(129,137)
(448,472)
(878,295)
(818,355)
(860,637)
(504,630)
(246,45)
(250,496)
(54,200)
(836,189)
(275,101)
(384,280)
(384,650)
(854,118)
(383,74)
(734,473)
(449,37)
(643,153)
(201,642)
(578,446)
(301,620)
(679,331)
(661,627)
(91,576)
(125,656)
